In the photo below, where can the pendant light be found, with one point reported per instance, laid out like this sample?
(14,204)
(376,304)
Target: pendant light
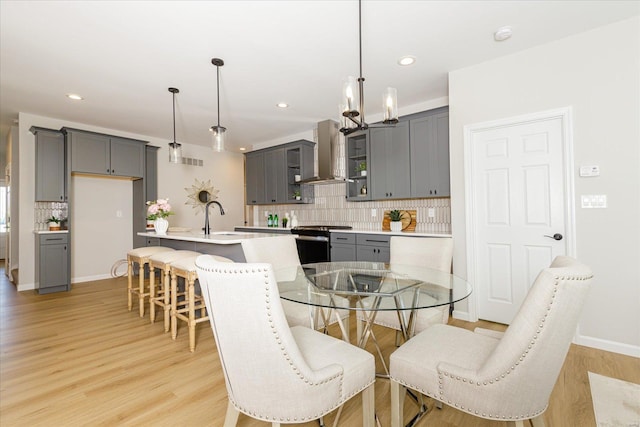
(175,148)
(218,131)
(353,108)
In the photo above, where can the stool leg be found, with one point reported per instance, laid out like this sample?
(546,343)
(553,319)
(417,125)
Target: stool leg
(174,305)
(141,288)
(166,285)
(129,282)
(192,315)
(152,293)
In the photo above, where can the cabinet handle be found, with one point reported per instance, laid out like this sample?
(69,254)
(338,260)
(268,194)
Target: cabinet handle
(435,191)
(341,238)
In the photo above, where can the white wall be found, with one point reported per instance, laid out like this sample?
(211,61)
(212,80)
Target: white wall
(597,73)
(93,213)
(225,170)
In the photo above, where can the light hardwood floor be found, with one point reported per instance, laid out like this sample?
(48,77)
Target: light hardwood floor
(81,359)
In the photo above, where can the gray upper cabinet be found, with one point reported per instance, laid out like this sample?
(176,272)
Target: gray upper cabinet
(275,176)
(270,174)
(430,154)
(357,152)
(100,154)
(127,157)
(50,165)
(254,177)
(390,162)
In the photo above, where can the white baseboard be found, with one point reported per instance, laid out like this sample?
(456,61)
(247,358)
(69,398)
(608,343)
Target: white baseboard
(90,278)
(26,287)
(461,315)
(615,347)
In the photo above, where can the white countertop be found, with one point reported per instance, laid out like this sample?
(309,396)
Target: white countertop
(216,237)
(49,232)
(388,233)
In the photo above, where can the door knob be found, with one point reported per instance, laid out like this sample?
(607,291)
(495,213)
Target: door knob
(556,236)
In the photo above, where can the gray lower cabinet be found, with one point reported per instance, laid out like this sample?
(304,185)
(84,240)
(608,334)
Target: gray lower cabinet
(100,154)
(390,162)
(52,263)
(343,247)
(430,154)
(372,247)
(50,165)
(360,247)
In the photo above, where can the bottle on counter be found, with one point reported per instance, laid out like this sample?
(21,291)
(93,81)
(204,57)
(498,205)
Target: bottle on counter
(294,220)
(270,220)
(276,222)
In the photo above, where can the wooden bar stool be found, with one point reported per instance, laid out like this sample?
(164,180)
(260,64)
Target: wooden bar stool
(186,310)
(140,256)
(161,298)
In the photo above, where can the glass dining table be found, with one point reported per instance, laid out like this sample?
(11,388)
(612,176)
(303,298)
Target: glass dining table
(369,287)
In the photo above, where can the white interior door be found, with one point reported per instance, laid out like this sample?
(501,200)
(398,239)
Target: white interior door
(518,199)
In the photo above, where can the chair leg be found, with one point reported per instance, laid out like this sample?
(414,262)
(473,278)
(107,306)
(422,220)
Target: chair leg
(129,283)
(141,288)
(192,315)
(231,418)
(398,393)
(166,285)
(174,306)
(359,328)
(152,293)
(537,421)
(368,406)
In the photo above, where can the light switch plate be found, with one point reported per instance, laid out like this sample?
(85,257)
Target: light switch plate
(593,201)
(431,213)
(592,170)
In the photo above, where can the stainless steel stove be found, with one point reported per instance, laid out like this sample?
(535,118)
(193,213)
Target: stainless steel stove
(313,242)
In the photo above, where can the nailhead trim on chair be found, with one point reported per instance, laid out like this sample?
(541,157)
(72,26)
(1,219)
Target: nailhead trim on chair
(441,396)
(286,355)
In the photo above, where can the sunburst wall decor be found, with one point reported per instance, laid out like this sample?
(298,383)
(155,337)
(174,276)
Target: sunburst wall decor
(200,193)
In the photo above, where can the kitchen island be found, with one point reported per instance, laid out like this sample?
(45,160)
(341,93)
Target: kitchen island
(222,243)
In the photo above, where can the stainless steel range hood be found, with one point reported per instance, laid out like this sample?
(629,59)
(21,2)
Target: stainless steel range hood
(330,156)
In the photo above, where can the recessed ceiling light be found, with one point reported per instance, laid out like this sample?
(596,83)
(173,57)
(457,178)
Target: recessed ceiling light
(406,60)
(503,33)
(242,148)
(74,96)
(282,105)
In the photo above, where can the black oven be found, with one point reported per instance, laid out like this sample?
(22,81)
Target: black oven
(313,242)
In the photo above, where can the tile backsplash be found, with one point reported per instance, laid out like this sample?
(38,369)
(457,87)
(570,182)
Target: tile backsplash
(330,207)
(45,210)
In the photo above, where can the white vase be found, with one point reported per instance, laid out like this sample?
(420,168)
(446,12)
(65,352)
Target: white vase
(396,225)
(363,173)
(161,225)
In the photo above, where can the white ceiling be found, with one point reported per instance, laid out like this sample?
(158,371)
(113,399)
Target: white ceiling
(121,56)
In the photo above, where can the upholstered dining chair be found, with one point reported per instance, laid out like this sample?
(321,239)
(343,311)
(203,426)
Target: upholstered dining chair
(506,377)
(430,252)
(282,253)
(273,372)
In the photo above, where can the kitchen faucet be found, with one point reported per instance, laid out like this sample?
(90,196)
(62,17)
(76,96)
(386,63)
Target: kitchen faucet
(206,215)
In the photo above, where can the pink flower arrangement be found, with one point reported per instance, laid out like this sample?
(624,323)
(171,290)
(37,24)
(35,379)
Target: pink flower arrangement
(158,209)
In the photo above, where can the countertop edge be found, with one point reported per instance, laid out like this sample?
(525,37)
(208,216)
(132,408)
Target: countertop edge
(211,239)
(357,231)
(49,231)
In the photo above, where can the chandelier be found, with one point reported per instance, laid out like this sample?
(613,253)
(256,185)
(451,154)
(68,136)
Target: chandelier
(217,130)
(352,108)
